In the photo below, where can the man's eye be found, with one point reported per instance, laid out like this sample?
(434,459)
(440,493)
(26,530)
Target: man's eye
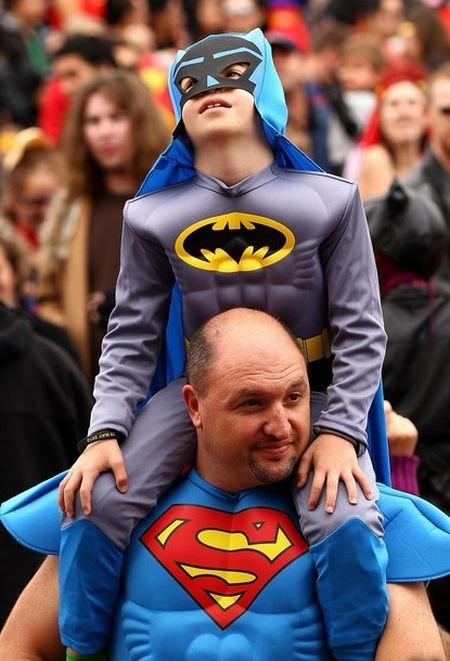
(187,83)
(294,398)
(250,403)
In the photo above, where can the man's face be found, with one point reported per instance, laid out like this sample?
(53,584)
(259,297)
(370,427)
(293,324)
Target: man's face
(107,130)
(73,72)
(288,63)
(253,420)
(439,113)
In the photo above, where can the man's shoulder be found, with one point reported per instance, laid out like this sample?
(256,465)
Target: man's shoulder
(428,173)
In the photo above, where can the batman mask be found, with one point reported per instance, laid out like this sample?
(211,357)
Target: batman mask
(206,62)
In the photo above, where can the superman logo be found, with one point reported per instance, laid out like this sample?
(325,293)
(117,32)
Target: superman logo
(234,242)
(223,560)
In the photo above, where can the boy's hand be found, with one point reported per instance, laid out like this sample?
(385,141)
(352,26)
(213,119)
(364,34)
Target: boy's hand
(333,459)
(97,458)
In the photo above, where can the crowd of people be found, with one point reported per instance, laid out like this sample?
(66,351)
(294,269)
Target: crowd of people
(85,111)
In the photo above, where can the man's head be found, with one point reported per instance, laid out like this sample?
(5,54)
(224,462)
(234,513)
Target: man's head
(287,53)
(248,398)
(80,58)
(438,88)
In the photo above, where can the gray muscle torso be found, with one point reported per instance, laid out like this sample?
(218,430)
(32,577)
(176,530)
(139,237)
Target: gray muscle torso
(291,243)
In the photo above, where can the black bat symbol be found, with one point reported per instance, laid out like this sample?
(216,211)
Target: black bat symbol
(234,241)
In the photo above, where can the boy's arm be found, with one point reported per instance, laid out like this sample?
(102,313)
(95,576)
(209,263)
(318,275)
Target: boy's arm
(356,322)
(31,631)
(358,346)
(129,353)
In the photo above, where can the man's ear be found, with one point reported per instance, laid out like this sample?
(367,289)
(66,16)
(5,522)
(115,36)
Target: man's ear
(191,401)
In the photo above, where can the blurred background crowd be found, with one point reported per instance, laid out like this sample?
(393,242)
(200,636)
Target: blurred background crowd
(84,112)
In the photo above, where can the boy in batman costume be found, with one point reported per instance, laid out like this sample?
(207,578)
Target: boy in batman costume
(284,238)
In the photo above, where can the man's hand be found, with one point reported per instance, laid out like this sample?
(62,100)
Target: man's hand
(401,432)
(97,458)
(333,459)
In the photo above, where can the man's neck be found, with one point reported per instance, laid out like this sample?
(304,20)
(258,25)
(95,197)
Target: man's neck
(234,161)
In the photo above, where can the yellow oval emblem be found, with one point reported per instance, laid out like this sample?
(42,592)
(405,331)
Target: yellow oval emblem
(234,242)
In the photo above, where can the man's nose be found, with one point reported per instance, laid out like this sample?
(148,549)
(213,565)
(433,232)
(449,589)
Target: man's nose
(277,424)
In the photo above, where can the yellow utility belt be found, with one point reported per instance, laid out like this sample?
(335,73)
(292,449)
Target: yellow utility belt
(317,347)
(313,348)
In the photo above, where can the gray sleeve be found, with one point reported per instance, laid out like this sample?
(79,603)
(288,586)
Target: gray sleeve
(356,321)
(135,331)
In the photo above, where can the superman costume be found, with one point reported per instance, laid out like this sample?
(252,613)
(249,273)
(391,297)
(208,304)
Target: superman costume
(289,240)
(213,575)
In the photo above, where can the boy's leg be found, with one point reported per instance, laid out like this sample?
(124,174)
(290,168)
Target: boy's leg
(161,443)
(350,558)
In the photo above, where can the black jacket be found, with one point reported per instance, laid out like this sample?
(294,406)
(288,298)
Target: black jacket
(416,377)
(44,410)
(430,178)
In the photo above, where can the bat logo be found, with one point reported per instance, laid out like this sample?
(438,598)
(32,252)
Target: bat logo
(223,560)
(234,242)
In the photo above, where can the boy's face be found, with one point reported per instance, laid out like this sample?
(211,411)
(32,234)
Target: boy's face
(219,112)
(215,84)
(238,73)
(357,74)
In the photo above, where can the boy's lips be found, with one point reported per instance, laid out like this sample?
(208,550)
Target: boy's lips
(213,102)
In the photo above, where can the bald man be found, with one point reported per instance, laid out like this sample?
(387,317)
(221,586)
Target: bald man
(216,569)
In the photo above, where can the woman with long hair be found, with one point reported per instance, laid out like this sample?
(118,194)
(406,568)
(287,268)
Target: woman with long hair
(393,142)
(113,134)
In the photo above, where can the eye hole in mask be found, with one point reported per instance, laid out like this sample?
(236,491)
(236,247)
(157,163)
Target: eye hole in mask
(232,71)
(225,61)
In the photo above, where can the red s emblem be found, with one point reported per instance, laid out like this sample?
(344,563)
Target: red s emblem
(224,560)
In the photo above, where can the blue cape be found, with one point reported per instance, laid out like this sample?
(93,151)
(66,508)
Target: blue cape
(417,534)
